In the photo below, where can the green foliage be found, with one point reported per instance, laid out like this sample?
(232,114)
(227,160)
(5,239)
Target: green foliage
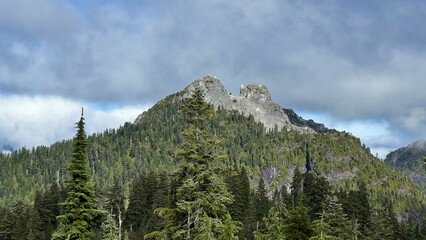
(297,226)
(337,220)
(201,195)
(80,210)
(134,151)
(261,203)
(321,228)
(275,223)
(109,228)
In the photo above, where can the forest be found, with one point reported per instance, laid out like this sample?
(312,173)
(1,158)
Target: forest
(205,174)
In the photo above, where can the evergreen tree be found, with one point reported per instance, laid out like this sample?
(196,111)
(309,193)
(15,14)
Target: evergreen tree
(201,195)
(161,200)
(6,223)
(361,207)
(296,187)
(274,223)
(137,202)
(297,226)
(239,186)
(250,219)
(20,218)
(80,211)
(261,204)
(321,229)
(337,220)
(109,228)
(115,203)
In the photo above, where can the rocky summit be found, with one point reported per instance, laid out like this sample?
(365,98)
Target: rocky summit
(254,100)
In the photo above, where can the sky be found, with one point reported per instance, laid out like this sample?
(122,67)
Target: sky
(357,66)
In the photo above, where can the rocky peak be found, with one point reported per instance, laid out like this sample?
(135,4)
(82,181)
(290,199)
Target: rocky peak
(254,100)
(214,91)
(255,92)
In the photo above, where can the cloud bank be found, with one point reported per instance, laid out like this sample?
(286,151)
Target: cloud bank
(42,120)
(355,62)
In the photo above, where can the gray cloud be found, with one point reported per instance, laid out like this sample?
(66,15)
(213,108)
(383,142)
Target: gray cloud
(352,60)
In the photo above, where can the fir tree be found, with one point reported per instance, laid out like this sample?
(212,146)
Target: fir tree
(337,220)
(321,229)
(261,204)
(109,228)
(6,223)
(201,194)
(80,211)
(296,187)
(297,225)
(274,223)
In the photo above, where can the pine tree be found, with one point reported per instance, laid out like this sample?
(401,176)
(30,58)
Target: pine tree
(80,211)
(201,193)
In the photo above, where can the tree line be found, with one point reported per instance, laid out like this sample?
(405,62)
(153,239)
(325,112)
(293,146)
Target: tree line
(204,198)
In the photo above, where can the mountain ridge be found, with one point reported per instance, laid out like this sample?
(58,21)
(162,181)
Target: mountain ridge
(409,160)
(121,155)
(254,100)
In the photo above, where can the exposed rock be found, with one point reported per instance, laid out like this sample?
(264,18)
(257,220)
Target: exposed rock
(334,176)
(254,100)
(333,158)
(140,117)
(268,174)
(299,121)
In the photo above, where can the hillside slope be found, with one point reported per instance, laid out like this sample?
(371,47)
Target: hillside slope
(120,155)
(409,160)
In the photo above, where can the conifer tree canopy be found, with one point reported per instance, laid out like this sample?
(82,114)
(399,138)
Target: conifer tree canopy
(201,195)
(80,210)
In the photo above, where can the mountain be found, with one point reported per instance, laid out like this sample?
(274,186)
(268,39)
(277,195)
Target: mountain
(409,160)
(409,157)
(254,100)
(258,133)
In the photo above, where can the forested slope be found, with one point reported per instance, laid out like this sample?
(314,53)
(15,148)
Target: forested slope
(121,155)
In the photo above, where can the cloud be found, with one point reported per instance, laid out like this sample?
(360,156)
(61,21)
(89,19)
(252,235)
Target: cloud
(355,61)
(43,120)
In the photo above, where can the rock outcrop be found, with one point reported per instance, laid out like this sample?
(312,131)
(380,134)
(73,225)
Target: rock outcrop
(254,100)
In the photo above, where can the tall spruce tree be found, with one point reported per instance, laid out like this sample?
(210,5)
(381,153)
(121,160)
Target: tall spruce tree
(80,211)
(201,194)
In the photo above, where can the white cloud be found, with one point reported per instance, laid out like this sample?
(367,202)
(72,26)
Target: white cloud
(40,120)
(376,135)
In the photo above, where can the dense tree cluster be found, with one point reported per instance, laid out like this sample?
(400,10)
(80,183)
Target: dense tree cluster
(172,177)
(342,214)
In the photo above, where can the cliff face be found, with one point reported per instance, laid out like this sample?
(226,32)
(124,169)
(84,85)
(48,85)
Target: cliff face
(254,99)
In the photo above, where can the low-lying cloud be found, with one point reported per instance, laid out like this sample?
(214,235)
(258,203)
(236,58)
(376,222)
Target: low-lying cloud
(42,120)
